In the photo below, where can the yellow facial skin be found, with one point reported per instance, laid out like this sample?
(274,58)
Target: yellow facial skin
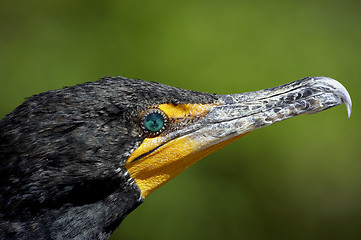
(173,156)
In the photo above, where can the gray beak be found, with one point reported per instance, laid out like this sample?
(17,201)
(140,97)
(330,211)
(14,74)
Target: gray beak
(238,114)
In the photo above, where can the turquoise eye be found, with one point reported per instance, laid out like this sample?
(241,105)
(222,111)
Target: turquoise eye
(154,121)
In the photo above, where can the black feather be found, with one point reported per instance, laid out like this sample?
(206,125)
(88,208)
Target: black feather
(62,154)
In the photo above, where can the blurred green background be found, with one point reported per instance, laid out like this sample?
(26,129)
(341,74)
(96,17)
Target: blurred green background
(299,179)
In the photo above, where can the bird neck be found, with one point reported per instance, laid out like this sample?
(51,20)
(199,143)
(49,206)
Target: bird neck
(88,221)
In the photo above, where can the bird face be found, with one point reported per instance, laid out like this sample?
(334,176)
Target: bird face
(165,154)
(179,135)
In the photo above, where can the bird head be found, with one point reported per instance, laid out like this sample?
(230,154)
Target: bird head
(81,158)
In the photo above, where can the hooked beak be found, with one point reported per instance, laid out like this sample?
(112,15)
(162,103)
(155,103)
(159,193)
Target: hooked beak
(242,113)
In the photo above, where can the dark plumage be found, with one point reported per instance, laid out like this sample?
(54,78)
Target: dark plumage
(62,154)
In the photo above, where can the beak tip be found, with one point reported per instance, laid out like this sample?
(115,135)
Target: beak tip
(348,111)
(339,90)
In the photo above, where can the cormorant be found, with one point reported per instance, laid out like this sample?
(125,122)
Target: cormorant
(74,162)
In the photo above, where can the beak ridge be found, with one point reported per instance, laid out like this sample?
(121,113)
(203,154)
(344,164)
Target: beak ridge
(244,112)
